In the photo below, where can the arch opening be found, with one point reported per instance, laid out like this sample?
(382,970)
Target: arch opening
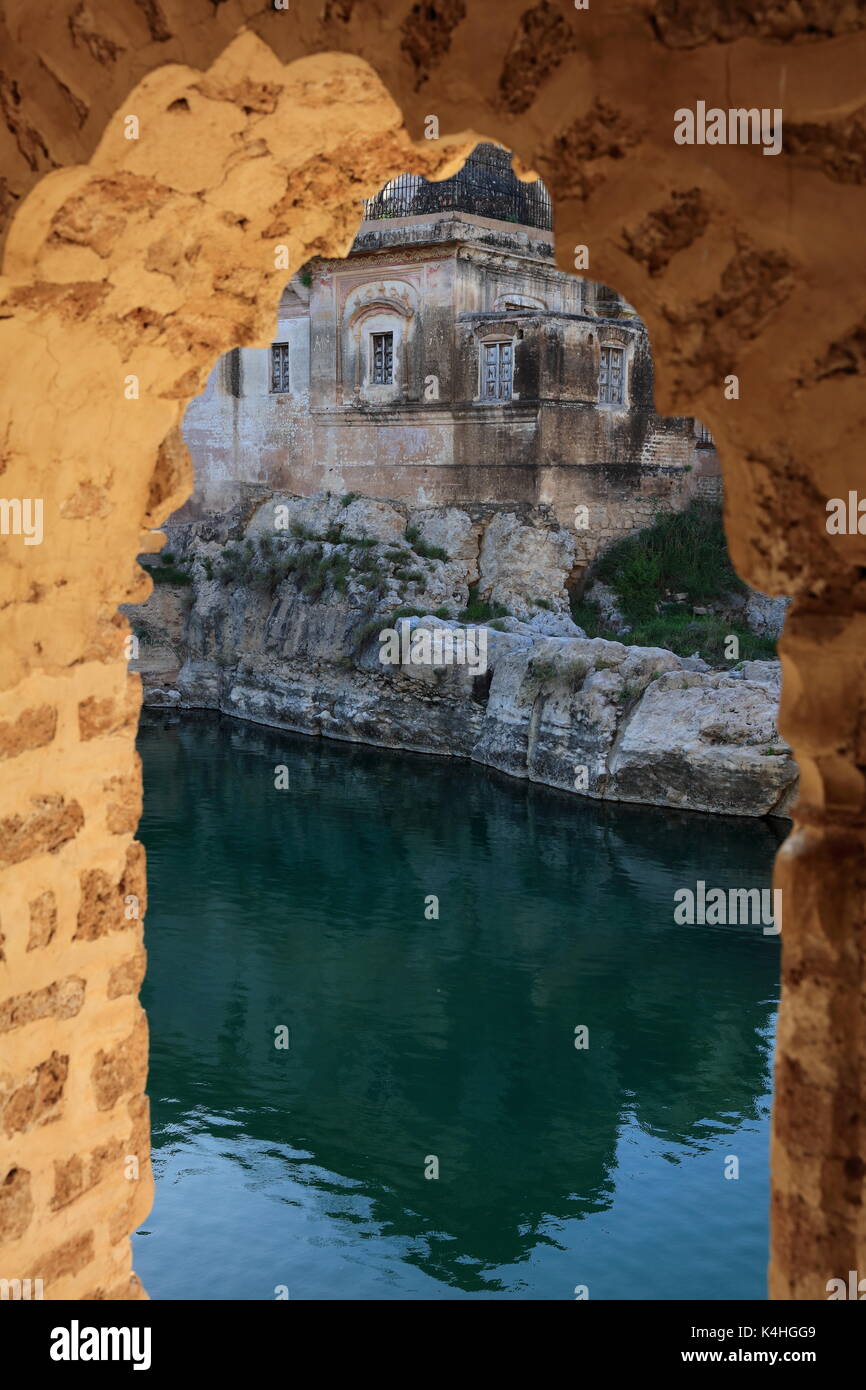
(138,344)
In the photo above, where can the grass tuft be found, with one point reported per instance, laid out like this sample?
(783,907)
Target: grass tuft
(476,611)
(682,552)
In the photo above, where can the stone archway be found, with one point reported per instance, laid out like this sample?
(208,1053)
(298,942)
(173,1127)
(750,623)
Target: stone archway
(126,276)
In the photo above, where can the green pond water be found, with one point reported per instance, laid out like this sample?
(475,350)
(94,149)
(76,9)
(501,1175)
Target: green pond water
(301,1170)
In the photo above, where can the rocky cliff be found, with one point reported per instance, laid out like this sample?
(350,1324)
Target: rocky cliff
(275,613)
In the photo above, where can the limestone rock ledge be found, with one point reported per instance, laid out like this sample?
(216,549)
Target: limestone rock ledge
(593,717)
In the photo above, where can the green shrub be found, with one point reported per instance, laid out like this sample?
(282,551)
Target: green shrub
(339,564)
(631,691)
(348,498)
(169,574)
(577,669)
(542,670)
(315,585)
(277,571)
(686,633)
(404,613)
(306,561)
(587,615)
(421,548)
(430,552)
(682,552)
(476,611)
(363,633)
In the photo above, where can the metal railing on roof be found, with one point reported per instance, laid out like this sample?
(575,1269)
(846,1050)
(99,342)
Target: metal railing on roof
(705,439)
(486,186)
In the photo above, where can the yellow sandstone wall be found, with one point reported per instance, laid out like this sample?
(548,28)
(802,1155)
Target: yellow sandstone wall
(132,264)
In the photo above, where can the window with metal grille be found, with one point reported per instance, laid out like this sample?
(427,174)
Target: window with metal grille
(383,359)
(611,376)
(498,363)
(279,366)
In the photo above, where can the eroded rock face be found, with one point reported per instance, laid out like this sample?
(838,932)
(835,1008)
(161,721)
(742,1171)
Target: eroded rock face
(588,716)
(453,531)
(520,564)
(692,733)
(766,615)
(632,724)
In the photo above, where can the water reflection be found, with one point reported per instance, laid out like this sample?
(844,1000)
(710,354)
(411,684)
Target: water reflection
(413,1039)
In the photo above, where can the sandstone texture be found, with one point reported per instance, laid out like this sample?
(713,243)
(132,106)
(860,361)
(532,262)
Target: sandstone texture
(132,264)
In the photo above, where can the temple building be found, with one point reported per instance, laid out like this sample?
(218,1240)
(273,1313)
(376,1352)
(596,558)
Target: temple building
(447,360)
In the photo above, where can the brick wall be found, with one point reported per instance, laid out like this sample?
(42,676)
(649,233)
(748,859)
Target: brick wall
(148,258)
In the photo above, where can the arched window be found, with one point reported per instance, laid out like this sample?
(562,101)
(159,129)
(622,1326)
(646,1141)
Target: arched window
(376,361)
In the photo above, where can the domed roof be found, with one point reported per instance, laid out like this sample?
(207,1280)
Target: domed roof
(485,186)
